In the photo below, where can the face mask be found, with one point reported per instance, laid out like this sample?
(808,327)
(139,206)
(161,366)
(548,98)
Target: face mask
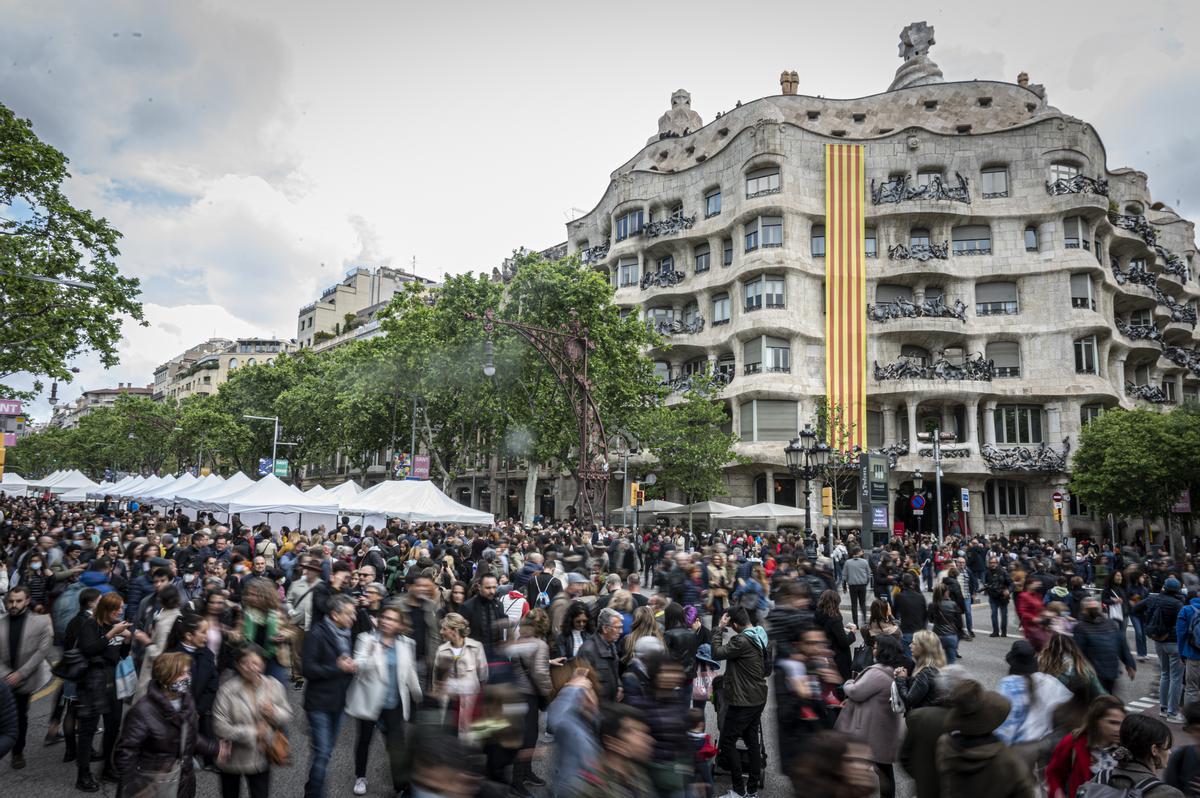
(237,569)
(189,578)
(146,567)
(37,566)
(181,685)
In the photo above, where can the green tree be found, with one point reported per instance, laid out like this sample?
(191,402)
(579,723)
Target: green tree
(836,429)
(44,325)
(686,438)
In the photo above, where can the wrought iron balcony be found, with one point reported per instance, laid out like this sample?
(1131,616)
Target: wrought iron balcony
(1137,273)
(1020,458)
(898,189)
(662,279)
(595,254)
(675,223)
(947,454)
(764,193)
(752,368)
(1185,314)
(1083,303)
(676,326)
(893,453)
(719,322)
(921,252)
(1150,393)
(902,308)
(1187,358)
(1175,265)
(975,367)
(1003,308)
(779,369)
(1135,223)
(1079,184)
(961,248)
(684,381)
(1139,332)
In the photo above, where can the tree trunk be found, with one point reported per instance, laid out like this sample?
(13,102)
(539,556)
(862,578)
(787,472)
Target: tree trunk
(531,477)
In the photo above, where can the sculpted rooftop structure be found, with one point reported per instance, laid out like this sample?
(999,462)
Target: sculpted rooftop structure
(1018,285)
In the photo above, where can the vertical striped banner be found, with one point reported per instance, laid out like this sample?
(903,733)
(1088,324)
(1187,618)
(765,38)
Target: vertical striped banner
(846,292)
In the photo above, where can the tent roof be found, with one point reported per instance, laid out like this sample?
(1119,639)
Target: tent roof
(765,510)
(202,484)
(113,488)
(48,480)
(234,484)
(701,508)
(315,490)
(168,492)
(272,495)
(152,483)
(415,501)
(13,479)
(347,490)
(73,481)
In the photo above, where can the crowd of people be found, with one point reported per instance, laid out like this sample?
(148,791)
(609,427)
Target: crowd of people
(582,661)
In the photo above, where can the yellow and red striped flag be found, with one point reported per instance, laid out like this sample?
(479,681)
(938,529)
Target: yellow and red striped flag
(846,293)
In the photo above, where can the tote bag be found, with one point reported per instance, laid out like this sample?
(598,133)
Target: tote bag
(126,679)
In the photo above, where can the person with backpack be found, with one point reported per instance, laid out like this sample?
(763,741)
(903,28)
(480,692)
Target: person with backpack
(1145,745)
(1104,644)
(1157,617)
(1183,768)
(1187,634)
(1087,750)
(748,664)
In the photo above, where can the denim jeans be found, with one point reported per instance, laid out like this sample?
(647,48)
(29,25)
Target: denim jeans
(323,728)
(1139,636)
(950,646)
(906,641)
(1170,683)
(967,619)
(999,615)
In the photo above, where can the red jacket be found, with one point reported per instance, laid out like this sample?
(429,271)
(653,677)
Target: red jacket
(1029,610)
(1070,765)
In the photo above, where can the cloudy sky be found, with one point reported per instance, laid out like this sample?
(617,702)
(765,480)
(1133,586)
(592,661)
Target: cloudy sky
(251,152)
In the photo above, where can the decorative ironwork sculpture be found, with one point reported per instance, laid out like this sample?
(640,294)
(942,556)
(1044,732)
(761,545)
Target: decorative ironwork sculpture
(1151,393)
(566,351)
(1140,332)
(1174,265)
(1079,184)
(901,308)
(1020,458)
(898,189)
(676,326)
(975,367)
(921,252)
(893,453)
(1185,314)
(662,279)
(1137,274)
(947,454)
(682,382)
(1135,223)
(596,254)
(1187,358)
(675,223)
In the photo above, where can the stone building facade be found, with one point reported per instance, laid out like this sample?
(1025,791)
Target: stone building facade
(1018,286)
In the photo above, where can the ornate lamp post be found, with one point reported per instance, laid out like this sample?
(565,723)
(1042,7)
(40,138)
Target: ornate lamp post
(806,456)
(566,350)
(918,481)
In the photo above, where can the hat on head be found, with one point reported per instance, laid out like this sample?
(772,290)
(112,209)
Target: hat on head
(704,654)
(575,578)
(975,711)
(1171,585)
(1021,659)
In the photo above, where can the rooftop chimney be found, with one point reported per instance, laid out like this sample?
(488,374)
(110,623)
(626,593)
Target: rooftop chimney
(789,81)
(1023,79)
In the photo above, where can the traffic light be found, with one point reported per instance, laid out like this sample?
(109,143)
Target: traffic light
(641,498)
(1058,515)
(827,501)
(633,493)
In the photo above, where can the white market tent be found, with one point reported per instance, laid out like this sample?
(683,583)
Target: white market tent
(166,494)
(152,483)
(13,484)
(344,492)
(765,510)
(147,494)
(113,488)
(47,481)
(84,494)
(199,486)
(707,510)
(272,495)
(414,501)
(198,500)
(650,508)
(316,490)
(72,482)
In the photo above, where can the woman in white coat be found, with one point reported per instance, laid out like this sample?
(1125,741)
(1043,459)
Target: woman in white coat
(384,689)
(156,640)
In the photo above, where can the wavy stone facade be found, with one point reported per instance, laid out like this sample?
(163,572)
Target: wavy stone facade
(1018,286)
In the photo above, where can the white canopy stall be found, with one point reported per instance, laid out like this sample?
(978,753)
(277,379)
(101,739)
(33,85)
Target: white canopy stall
(73,483)
(278,503)
(13,484)
(415,501)
(165,495)
(197,500)
(771,514)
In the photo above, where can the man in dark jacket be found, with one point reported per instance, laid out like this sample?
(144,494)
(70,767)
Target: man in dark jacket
(486,617)
(8,720)
(911,610)
(744,688)
(1158,616)
(329,667)
(998,585)
(1104,644)
(599,652)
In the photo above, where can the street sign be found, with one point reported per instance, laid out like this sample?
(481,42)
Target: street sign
(966,500)
(420,469)
(281,469)
(917,501)
(1057,496)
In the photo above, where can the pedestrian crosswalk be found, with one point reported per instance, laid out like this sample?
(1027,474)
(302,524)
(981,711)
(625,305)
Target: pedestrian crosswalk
(1141,704)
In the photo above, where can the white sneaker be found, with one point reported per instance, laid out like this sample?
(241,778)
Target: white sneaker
(360,786)
(732,794)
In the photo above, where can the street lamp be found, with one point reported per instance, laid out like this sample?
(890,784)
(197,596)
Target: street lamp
(937,437)
(918,481)
(489,365)
(805,457)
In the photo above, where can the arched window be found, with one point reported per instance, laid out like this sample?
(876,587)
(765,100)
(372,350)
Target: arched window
(233,363)
(762,181)
(1006,356)
(250,361)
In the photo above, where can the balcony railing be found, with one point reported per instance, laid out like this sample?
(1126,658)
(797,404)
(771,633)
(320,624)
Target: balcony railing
(1020,458)
(596,254)
(663,279)
(1008,371)
(901,308)
(675,223)
(980,247)
(1187,358)
(921,252)
(898,189)
(1079,184)
(752,368)
(684,381)
(1149,393)
(1083,303)
(1139,332)
(1185,314)
(1006,308)
(907,368)
(779,369)
(676,326)
(1137,273)
(763,193)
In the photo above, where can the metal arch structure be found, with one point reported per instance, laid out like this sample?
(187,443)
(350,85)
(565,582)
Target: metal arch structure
(566,351)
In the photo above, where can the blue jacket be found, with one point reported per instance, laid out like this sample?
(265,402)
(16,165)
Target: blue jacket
(575,745)
(1186,649)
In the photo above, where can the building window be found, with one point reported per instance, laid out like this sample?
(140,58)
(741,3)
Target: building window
(870,242)
(996,299)
(1018,424)
(1063,170)
(627,271)
(1081,292)
(874,429)
(1168,388)
(702,258)
(1005,497)
(769,420)
(993,182)
(1085,355)
(662,370)
(925,176)
(727,252)
(818,240)
(886,294)
(762,181)
(1006,357)
(1076,507)
(1141,318)
(1031,239)
(251,362)
(691,313)
(666,264)
(764,291)
(972,239)
(915,354)
(661,315)
(764,230)
(919,237)
(233,363)
(1074,233)
(712,203)
(1089,413)
(720,309)
(1191,393)
(629,225)
(779,355)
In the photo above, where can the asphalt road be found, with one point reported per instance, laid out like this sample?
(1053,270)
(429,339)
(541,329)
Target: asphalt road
(45,775)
